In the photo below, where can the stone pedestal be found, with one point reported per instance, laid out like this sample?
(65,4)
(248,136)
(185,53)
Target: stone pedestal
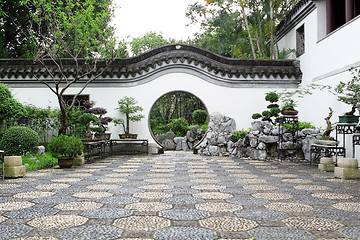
(347,169)
(13,167)
(326,164)
(79,160)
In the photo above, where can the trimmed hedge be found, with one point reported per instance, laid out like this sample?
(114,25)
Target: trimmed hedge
(19,140)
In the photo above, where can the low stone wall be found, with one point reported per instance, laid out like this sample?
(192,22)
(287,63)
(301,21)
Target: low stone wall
(262,142)
(187,143)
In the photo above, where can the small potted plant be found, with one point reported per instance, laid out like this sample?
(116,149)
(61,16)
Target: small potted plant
(65,148)
(288,108)
(128,107)
(349,93)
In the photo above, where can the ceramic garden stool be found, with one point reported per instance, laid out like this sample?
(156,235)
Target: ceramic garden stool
(347,169)
(326,164)
(13,167)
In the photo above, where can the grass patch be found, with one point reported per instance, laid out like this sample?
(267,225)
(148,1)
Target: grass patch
(38,161)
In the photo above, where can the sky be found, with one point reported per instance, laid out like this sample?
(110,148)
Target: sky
(135,18)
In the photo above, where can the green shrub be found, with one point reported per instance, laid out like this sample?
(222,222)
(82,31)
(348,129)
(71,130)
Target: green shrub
(301,126)
(199,116)
(65,146)
(272,97)
(19,140)
(239,135)
(179,126)
(256,116)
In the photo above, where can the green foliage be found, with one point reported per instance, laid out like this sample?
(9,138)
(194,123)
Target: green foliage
(127,106)
(19,140)
(301,126)
(65,146)
(179,126)
(10,108)
(199,116)
(273,112)
(349,92)
(147,42)
(41,162)
(239,135)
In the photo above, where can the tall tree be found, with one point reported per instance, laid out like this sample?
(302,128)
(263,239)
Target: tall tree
(147,42)
(71,32)
(14,41)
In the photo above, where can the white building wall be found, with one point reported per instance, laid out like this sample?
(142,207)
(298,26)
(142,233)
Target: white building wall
(237,103)
(326,61)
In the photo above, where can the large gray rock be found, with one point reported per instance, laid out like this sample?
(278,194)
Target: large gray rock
(169,144)
(306,144)
(178,142)
(268,139)
(39,150)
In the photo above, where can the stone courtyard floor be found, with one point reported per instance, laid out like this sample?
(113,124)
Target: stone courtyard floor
(179,195)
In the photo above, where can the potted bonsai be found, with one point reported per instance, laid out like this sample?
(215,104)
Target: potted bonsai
(65,148)
(127,106)
(274,110)
(326,139)
(101,126)
(349,93)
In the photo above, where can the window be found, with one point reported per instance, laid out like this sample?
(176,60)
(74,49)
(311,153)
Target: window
(340,12)
(79,100)
(300,40)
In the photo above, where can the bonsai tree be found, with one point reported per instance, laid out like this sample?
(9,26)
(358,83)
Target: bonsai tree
(329,127)
(127,106)
(273,112)
(101,125)
(349,92)
(66,146)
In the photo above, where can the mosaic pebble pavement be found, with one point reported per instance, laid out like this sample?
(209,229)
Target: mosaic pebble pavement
(179,195)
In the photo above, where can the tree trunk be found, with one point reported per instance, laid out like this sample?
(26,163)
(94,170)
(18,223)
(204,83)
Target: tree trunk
(247,28)
(127,124)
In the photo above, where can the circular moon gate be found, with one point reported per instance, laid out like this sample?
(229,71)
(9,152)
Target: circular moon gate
(173,105)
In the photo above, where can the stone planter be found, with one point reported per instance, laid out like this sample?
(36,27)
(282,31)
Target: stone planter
(326,164)
(103,136)
(128,136)
(348,119)
(13,167)
(327,142)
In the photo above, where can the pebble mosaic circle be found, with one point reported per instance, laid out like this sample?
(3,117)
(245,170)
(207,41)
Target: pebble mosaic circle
(53,200)
(66,180)
(348,206)
(312,200)
(279,233)
(9,186)
(213,195)
(52,186)
(228,224)
(95,195)
(58,222)
(351,232)
(218,207)
(272,196)
(106,213)
(157,181)
(297,181)
(157,187)
(261,187)
(248,201)
(251,181)
(334,196)
(285,175)
(112,180)
(184,214)
(118,200)
(13,231)
(126,190)
(312,187)
(92,232)
(261,214)
(153,195)
(35,194)
(142,223)
(310,224)
(7,206)
(182,191)
(185,233)
(81,206)
(31,212)
(208,187)
(148,206)
(183,200)
(2,219)
(336,214)
(103,186)
(289,207)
